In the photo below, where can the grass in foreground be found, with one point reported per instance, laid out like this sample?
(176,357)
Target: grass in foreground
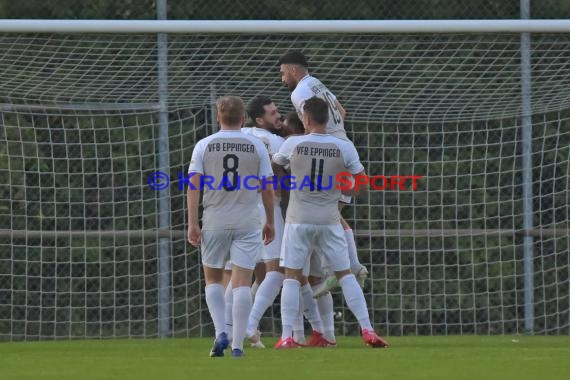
(488,358)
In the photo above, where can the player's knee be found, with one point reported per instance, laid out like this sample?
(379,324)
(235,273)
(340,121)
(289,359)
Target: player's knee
(313,280)
(342,273)
(272,266)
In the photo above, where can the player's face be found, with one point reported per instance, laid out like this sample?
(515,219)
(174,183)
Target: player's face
(285,130)
(272,118)
(287,78)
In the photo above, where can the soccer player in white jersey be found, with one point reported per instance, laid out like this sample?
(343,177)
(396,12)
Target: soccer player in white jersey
(295,75)
(231,228)
(264,118)
(312,221)
(293,126)
(266,122)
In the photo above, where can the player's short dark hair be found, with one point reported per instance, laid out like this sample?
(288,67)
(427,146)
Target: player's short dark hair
(256,106)
(317,109)
(295,123)
(294,57)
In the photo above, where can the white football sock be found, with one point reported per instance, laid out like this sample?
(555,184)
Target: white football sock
(310,308)
(240,313)
(325,304)
(299,325)
(289,306)
(229,302)
(216,306)
(266,294)
(352,254)
(355,300)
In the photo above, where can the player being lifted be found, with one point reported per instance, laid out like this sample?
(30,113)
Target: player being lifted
(266,122)
(230,224)
(313,220)
(295,75)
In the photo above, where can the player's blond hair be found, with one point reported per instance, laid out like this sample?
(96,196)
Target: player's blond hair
(231,110)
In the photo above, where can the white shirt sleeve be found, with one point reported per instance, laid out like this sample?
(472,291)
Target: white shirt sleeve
(351,159)
(284,155)
(197,161)
(276,142)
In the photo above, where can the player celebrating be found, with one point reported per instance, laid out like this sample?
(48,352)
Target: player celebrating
(265,124)
(295,75)
(230,223)
(267,121)
(312,221)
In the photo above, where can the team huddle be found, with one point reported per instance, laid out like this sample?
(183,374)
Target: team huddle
(296,242)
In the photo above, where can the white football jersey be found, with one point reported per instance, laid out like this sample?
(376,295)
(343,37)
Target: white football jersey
(316,160)
(233,156)
(272,141)
(309,87)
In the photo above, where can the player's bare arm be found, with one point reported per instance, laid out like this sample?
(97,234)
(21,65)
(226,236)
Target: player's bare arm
(193,200)
(340,109)
(360,185)
(268,198)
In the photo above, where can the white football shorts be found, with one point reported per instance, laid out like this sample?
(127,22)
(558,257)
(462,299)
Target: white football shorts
(300,240)
(272,251)
(241,246)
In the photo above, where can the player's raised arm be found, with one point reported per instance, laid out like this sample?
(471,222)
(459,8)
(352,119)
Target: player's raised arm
(359,185)
(359,180)
(340,109)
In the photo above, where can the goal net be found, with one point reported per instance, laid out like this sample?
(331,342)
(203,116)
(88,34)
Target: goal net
(80,132)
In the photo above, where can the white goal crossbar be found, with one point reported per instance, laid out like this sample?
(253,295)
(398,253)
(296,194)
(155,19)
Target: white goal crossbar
(284,26)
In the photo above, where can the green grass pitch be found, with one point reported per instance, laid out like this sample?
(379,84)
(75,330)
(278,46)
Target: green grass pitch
(456,357)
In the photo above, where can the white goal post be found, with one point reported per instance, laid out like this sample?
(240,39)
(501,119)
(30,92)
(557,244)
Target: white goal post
(479,108)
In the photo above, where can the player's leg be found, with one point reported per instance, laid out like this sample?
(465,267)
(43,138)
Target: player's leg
(299,325)
(245,251)
(311,310)
(356,267)
(266,294)
(332,247)
(319,269)
(297,243)
(215,250)
(326,311)
(259,275)
(229,297)
(271,285)
(227,274)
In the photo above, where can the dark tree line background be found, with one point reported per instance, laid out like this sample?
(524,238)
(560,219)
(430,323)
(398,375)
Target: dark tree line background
(279,9)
